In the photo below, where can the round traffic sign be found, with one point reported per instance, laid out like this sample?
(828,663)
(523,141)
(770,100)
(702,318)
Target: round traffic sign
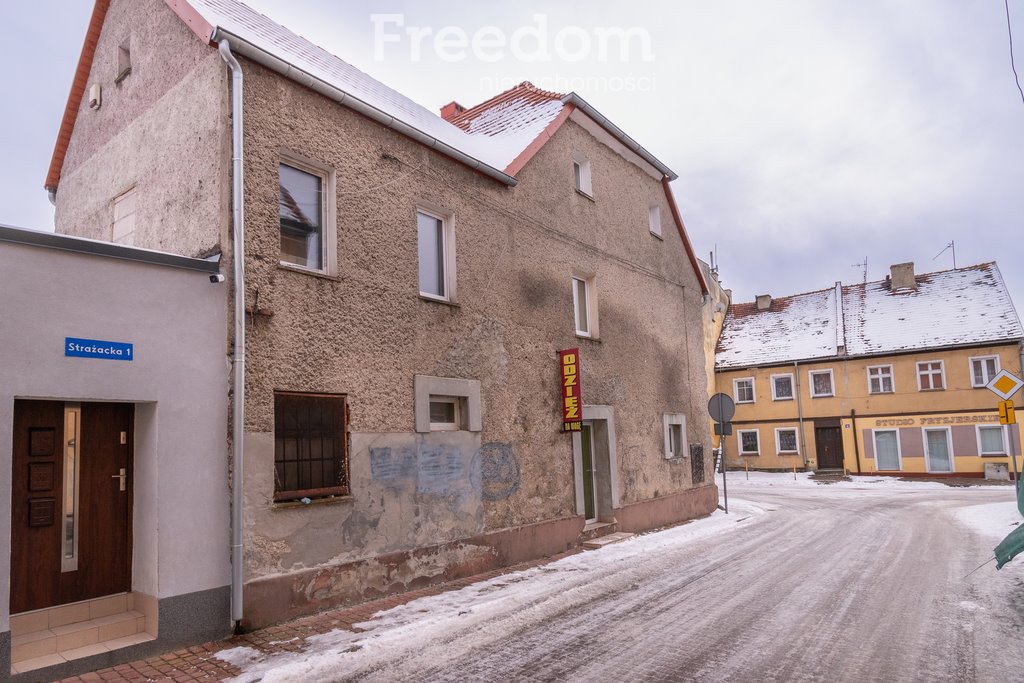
(721,408)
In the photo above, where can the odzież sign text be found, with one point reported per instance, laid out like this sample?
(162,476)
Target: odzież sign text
(572,405)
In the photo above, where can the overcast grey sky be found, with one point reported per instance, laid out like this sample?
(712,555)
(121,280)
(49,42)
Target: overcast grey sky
(807,135)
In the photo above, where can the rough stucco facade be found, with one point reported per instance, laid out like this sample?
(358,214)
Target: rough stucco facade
(429,506)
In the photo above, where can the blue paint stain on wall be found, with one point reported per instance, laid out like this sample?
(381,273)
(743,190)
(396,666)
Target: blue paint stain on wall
(440,469)
(392,466)
(498,470)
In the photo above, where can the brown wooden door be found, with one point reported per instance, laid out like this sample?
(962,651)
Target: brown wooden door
(47,567)
(829,443)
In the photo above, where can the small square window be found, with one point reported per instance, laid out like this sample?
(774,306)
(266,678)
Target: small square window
(675,434)
(305,233)
(436,256)
(584,304)
(821,383)
(931,376)
(310,446)
(782,387)
(991,440)
(983,369)
(786,441)
(880,379)
(446,413)
(749,441)
(743,390)
(654,219)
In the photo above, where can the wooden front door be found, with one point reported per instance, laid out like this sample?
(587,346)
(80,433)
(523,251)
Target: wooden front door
(71,502)
(829,442)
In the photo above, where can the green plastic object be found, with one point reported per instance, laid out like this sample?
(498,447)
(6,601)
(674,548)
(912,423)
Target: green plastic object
(1013,544)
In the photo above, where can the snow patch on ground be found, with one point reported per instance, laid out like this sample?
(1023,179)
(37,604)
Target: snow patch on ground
(994,520)
(556,585)
(804,480)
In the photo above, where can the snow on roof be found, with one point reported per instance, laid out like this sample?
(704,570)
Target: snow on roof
(498,131)
(959,307)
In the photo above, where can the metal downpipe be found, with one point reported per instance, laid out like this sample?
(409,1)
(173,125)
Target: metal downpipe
(238,357)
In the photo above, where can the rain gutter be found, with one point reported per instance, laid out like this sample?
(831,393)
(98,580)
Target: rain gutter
(292,72)
(238,357)
(800,413)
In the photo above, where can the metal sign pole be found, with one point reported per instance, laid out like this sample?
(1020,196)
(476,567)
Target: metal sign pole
(725,489)
(1014,433)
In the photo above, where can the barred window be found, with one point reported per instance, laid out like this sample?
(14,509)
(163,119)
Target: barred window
(310,446)
(750,442)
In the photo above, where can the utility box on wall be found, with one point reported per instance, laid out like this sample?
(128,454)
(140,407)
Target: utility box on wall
(999,471)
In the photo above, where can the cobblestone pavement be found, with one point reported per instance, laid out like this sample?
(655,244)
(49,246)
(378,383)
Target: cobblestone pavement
(827,585)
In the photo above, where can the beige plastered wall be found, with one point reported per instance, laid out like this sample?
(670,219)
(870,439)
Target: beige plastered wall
(366,332)
(163,130)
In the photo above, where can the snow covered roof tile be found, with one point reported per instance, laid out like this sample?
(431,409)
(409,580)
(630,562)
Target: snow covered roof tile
(959,307)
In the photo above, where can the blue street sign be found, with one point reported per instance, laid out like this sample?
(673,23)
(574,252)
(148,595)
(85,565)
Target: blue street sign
(96,348)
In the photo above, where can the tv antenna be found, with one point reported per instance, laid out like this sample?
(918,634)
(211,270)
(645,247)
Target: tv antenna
(951,245)
(864,267)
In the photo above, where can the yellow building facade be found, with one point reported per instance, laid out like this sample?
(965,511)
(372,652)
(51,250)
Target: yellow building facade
(870,404)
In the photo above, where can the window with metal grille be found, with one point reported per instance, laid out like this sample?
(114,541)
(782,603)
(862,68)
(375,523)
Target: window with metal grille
(310,446)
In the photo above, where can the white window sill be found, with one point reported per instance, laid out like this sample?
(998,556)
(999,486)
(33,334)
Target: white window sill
(790,398)
(823,395)
(585,194)
(439,300)
(654,234)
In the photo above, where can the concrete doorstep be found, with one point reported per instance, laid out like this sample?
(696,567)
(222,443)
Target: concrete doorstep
(597,543)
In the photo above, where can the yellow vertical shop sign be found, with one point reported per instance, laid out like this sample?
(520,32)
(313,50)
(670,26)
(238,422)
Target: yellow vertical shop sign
(572,405)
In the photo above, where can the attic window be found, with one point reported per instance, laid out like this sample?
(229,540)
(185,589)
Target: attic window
(581,175)
(124,60)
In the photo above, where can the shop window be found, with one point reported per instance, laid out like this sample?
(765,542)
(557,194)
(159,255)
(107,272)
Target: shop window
(992,440)
(310,446)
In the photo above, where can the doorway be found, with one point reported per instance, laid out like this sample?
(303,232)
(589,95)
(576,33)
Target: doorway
(828,447)
(71,502)
(595,466)
(937,450)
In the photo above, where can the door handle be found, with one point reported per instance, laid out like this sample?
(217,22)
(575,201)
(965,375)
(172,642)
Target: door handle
(123,476)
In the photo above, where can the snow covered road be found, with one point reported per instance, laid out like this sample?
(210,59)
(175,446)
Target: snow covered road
(864,581)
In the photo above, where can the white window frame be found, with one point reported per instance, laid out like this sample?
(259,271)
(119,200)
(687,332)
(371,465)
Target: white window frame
(949,446)
(988,378)
(458,412)
(328,218)
(1002,430)
(739,441)
(668,421)
(891,375)
(736,389)
(120,221)
(831,383)
(582,178)
(654,220)
(590,289)
(447,253)
(427,388)
(778,441)
(792,387)
(942,374)
(899,449)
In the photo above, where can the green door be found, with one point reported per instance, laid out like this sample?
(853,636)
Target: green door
(588,473)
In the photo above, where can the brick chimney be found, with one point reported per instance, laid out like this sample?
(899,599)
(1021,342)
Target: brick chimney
(451,109)
(902,277)
(764,302)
